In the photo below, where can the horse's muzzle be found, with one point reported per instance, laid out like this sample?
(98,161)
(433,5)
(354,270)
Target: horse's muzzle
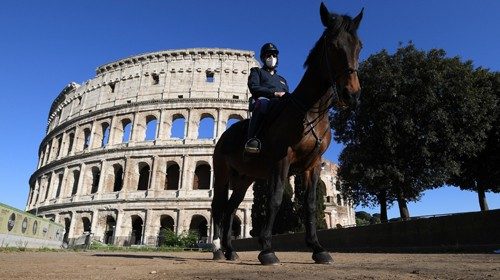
(351,99)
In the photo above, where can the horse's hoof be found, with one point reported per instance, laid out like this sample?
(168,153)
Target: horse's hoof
(218,255)
(322,258)
(268,258)
(232,256)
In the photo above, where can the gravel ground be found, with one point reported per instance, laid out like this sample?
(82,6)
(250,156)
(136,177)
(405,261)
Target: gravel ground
(198,265)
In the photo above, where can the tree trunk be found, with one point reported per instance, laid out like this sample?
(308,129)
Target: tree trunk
(482,198)
(403,208)
(382,199)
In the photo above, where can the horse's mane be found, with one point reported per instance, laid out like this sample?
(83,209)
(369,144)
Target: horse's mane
(341,23)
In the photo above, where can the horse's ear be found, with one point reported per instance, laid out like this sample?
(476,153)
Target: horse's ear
(357,19)
(325,15)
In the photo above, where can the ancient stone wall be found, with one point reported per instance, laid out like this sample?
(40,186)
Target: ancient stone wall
(130,151)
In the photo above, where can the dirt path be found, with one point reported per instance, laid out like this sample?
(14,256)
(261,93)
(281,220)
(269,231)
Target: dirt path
(194,265)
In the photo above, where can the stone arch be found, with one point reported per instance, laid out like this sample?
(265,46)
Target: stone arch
(151,128)
(96,176)
(172,176)
(83,225)
(58,147)
(60,177)
(178,129)
(144,176)
(236,229)
(199,225)
(117,177)
(47,186)
(47,153)
(71,141)
(109,230)
(232,119)
(86,138)
(206,128)
(126,130)
(105,129)
(202,176)
(67,224)
(136,232)
(167,222)
(73,183)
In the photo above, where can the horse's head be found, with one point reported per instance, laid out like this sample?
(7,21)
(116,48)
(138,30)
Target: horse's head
(341,54)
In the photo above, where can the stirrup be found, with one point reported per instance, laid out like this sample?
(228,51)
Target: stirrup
(252,146)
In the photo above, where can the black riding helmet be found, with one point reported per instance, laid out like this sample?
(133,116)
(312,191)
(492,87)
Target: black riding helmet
(266,49)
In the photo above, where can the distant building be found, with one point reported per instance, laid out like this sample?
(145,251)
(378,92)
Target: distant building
(126,153)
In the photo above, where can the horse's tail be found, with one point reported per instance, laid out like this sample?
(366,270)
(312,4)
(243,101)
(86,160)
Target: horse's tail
(221,192)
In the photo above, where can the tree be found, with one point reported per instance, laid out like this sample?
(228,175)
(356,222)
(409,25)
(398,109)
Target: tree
(420,113)
(299,204)
(258,206)
(286,219)
(481,172)
(363,180)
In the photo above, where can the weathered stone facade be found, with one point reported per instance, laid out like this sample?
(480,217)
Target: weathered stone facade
(112,164)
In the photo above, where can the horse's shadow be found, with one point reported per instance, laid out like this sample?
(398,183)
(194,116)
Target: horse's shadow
(184,259)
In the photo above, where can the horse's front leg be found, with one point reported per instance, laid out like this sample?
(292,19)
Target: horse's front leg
(310,180)
(275,196)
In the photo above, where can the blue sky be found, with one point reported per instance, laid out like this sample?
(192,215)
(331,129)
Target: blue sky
(44,45)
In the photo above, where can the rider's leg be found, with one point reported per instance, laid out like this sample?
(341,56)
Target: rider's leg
(253,144)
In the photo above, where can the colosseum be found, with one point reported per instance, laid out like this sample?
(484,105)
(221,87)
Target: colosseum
(129,151)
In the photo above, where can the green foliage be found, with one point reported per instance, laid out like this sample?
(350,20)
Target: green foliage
(170,239)
(290,215)
(287,219)
(299,204)
(480,172)
(420,114)
(320,205)
(363,218)
(259,205)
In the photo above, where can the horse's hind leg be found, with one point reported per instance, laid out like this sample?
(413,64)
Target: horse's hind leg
(219,201)
(310,180)
(240,187)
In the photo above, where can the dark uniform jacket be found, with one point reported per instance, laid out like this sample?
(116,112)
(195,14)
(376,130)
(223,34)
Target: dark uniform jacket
(262,84)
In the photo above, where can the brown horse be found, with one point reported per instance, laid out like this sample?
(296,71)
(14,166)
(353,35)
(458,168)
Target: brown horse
(296,136)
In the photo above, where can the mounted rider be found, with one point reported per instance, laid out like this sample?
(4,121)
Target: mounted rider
(264,84)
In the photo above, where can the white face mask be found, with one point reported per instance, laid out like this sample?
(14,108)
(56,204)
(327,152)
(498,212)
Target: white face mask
(271,62)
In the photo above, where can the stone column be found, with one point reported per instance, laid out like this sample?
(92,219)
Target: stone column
(247,222)
(52,191)
(220,124)
(102,177)
(162,126)
(64,187)
(112,132)
(193,124)
(133,130)
(72,225)
(180,223)
(149,238)
(118,238)
(127,169)
(93,225)
(93,145)
(153,178)
(80,181)
(48,153)
(186,173)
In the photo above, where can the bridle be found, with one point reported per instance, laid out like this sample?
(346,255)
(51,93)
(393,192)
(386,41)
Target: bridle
(333,77)
(334,96)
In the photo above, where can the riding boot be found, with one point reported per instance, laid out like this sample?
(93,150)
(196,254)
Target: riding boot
(253,145)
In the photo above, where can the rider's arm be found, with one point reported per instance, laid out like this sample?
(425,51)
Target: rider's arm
(254,85)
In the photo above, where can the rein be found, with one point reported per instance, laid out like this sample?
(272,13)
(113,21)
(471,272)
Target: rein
(332,97)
